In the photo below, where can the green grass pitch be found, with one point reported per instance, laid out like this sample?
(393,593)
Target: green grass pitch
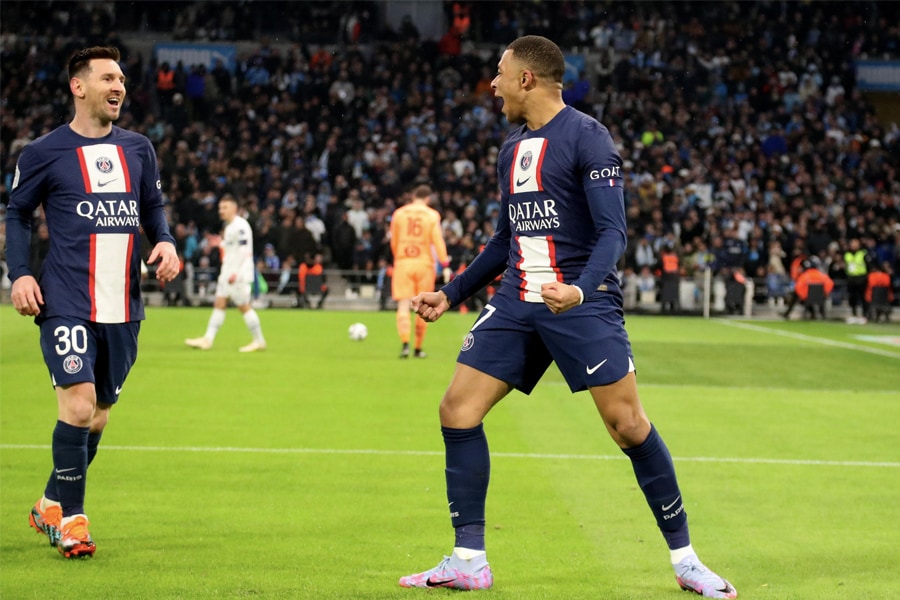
(315,469)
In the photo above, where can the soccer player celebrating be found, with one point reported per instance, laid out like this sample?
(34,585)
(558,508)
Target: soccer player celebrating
(98,184)
(416,236)
(235,279)
(561,233)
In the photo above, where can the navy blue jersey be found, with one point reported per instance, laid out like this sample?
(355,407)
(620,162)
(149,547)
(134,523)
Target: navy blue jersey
(562,212)
(96,194)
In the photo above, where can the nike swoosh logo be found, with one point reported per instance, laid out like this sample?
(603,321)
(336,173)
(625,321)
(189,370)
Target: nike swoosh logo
(66,470)
(673,504)
(590,370)
(118,389)
(105,183)
(438,583)
(520,183)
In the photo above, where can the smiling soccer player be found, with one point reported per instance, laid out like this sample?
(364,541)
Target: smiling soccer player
(98,185)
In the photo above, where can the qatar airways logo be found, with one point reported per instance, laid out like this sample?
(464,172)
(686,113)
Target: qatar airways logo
(110,213)
(534,215)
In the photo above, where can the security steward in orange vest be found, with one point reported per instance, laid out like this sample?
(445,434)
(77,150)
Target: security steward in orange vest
(880,277)
(311,266)
(670,277)
(810,275)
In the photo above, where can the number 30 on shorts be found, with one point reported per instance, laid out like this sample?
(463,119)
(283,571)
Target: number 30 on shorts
(70,339)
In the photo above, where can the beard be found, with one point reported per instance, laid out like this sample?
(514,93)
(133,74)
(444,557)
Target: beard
(103,115)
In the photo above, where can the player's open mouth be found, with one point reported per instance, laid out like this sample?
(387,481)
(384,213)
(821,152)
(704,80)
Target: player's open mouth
(113,102)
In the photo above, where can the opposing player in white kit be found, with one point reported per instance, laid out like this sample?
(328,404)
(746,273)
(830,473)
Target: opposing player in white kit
(235,279)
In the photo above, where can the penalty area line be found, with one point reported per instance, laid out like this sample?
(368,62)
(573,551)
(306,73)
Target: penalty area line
(533,456)
(807,338)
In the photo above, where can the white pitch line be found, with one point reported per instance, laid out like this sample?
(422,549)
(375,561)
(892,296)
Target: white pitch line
(746,388)
(536,456)
(808,338)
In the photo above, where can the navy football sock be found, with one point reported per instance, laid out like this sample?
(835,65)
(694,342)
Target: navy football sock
(468,472)
(92,443)
(470,536)
(655,474)
(70,466)
(50,492)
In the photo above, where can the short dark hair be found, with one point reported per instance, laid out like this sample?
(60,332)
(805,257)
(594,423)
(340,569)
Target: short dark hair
(422,191)
(541,56)
(81,59)
(228,197)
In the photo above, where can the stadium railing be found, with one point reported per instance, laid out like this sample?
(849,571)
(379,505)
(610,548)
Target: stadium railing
(703,295)
(348,289)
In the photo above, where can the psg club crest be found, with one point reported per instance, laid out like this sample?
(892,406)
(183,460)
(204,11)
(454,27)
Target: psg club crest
(525,161)
(72,364)
(468,342)
(104,164)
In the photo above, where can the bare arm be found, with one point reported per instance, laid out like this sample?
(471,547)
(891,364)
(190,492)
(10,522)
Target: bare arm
(430,305)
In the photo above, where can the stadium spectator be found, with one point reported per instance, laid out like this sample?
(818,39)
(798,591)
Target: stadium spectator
(288,277)
(644,255)
(297,240)
(343,243)
(357,215)
(271,262)
(712,109)
(646,285)
(314,223)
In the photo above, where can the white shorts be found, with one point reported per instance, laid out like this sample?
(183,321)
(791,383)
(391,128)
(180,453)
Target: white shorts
(238,292)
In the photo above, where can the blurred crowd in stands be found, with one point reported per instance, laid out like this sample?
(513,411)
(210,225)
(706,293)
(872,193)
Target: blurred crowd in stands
(745,141)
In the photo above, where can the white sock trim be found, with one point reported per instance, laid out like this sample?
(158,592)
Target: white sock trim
(45,503)
(67,520)
(468,553)
(679,554)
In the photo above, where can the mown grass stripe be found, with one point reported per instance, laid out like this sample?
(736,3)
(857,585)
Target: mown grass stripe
(527,455)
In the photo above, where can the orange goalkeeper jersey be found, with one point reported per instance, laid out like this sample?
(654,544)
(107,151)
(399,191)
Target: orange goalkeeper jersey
(415,228)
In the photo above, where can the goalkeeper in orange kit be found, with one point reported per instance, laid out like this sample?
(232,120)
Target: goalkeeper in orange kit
(418,246)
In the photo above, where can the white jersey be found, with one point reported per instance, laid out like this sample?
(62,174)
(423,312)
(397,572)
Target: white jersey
(237,251)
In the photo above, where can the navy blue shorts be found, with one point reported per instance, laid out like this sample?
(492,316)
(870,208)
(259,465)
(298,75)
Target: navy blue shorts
(515,341)
(77,351)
